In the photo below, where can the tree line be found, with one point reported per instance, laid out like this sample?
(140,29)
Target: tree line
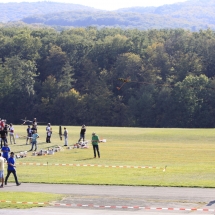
(73,77)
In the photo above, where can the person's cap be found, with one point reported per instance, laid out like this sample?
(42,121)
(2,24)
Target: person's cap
(93,133)
(49,123)
(64,127)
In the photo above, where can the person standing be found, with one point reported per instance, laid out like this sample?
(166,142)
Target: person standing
(48,133)
(65,134)
(6,128)
(11,168)
(29,134)
(34,123)
(5,149)
(82,133)
(34,140)
(95,143)
(1,171)
(3,135)
(11,133)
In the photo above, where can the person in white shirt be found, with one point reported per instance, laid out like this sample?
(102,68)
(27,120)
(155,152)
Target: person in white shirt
(2,160)
(11,133)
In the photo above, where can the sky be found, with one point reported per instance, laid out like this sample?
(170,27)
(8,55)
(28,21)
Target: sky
(109,4)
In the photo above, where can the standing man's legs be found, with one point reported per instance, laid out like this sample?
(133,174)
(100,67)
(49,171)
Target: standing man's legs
(27,140)
(11,139)
(32,145)
(5,140)
(96,148)
(14,141)
(65,141)
(2,178)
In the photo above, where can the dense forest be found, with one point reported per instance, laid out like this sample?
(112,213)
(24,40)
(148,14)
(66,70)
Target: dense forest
(192,15)
(74,76)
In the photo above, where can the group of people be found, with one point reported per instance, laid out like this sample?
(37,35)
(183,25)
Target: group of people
(7,156)
(95,140)
(6,130)
(11,168)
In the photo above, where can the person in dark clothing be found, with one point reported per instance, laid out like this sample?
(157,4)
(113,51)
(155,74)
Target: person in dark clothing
(29,134)
(6,127)
(11,169)
(3,135)
(48,133)
(33,129)
(82,133)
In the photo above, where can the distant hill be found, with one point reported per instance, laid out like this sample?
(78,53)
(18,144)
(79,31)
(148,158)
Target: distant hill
(192,15)
(17,11)
(200,11)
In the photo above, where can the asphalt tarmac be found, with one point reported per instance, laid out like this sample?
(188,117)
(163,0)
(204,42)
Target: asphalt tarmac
(93,199)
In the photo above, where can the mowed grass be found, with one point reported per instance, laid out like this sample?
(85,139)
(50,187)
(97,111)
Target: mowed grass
(187,153)
(26,197)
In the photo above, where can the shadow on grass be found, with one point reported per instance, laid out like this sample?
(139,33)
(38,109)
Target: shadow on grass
(85,159)
(40,143)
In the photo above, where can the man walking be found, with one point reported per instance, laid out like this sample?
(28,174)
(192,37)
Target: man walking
(11,168)
(95,143)
(1,171)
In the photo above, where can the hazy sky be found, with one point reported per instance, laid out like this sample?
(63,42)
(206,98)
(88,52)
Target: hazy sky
(109,4)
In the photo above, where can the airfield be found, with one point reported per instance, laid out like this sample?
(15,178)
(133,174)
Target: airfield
(141,171)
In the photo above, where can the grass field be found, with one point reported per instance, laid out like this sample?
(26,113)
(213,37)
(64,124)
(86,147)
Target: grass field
(187,153)
(26,197)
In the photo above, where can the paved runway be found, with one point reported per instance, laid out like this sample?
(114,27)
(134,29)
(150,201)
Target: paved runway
(93,199)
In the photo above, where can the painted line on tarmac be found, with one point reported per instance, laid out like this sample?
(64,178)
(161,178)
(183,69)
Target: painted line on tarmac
(93,165)
(110,206)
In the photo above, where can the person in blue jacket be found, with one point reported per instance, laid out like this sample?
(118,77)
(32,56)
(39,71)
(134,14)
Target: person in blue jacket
(11,168)
(5,149)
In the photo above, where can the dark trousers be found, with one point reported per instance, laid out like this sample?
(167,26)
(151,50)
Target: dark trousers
(82,136)
(96,148)
(3,140)
(48,139)
(14,174)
